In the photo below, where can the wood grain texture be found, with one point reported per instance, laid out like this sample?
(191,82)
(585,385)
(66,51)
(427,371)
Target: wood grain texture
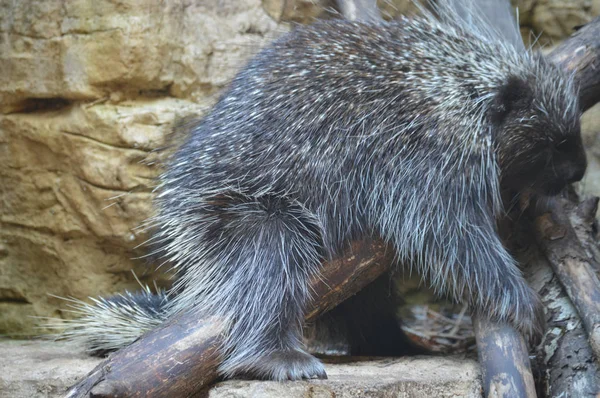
(504,361)
(573,266)
(580,54)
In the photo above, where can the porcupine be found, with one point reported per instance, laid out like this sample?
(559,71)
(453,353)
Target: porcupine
(407,130)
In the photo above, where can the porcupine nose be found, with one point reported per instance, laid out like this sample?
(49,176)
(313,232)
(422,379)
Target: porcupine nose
(577,170)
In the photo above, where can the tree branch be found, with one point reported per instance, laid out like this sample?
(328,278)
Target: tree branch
(580,54)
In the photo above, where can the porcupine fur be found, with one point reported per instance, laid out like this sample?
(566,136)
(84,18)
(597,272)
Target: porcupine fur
(407,130)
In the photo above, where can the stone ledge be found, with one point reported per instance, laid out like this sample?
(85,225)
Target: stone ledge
(31,369)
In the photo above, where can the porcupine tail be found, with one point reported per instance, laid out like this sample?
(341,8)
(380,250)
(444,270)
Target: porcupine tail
(107,324)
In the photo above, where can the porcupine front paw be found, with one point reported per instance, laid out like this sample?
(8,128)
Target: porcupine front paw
(288,365)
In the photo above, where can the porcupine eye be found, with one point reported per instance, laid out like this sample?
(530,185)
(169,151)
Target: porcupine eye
(513,96)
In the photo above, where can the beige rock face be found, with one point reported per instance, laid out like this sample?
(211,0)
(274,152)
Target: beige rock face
(88,50)
(76,185)
(556,19)
(32,369)
(88,90)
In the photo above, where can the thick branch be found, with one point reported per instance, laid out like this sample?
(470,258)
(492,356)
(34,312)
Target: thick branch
(572,265)
(504,361)
(581,55)
(564,363)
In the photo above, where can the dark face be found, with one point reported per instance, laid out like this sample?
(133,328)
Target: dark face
(538,138)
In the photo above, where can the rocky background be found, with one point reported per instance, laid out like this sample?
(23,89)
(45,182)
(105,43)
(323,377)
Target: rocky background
(89,90)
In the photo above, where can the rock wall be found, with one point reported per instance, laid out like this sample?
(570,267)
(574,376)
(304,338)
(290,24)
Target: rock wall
(553,20)
(89,90)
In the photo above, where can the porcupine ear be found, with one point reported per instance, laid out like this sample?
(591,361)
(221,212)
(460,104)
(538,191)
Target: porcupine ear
(513,95)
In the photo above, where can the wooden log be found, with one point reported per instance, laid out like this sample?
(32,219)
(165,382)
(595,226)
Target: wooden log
(584,223)
(580,54)
(571,264)
(504,360)
(564,364)
(176,360)
(181,357)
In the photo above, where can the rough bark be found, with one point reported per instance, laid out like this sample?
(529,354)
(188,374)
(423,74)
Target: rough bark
(570,262)
(504,361)
(564,364)
(581,54)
